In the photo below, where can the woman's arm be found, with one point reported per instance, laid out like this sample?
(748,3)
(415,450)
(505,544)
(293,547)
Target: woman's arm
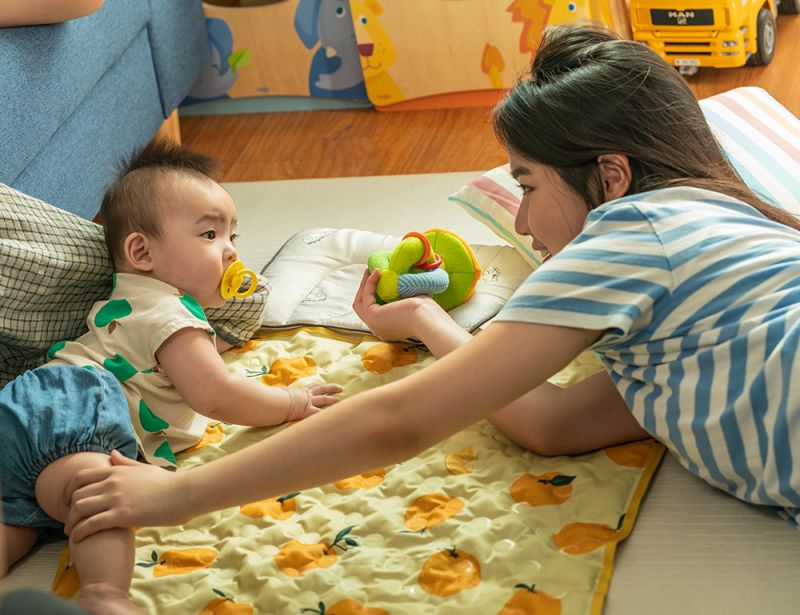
(38,12)
(548,420)
(375,428)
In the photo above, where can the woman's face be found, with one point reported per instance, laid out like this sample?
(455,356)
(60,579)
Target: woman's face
(550,212)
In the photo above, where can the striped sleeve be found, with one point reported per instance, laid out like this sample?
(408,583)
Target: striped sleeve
(608,278)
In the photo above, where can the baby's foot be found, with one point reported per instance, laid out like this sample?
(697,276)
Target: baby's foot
(107,599)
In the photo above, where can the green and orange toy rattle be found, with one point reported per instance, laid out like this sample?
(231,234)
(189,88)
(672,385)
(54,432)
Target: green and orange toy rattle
(436,263)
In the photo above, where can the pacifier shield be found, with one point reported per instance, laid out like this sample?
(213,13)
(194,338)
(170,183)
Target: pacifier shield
(232,281)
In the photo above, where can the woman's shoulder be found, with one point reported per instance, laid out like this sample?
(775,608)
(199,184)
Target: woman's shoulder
(676,204)
(676,194)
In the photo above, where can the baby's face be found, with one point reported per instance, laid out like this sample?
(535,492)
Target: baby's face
(197,237)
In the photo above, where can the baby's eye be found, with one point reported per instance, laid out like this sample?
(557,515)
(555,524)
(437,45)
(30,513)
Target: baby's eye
(234,237)
(209,234)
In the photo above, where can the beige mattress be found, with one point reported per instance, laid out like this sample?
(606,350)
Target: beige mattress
(692,550)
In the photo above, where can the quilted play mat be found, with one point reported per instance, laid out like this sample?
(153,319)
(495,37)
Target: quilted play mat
(472,525)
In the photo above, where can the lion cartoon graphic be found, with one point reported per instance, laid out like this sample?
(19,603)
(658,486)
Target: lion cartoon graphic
(376,51)
(534,15)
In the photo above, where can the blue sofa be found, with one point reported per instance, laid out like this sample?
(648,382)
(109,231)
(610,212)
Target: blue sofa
(78,97)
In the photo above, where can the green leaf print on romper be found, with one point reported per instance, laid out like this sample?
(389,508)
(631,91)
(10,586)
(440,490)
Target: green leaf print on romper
(113,310)
(51,353)
(190,303)
(165,452)
(150,422)
(119,366)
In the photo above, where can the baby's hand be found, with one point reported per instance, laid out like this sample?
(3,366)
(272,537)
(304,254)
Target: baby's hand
(310,400)
(320,396)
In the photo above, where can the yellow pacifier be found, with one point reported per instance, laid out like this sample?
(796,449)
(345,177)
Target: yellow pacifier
(232,281)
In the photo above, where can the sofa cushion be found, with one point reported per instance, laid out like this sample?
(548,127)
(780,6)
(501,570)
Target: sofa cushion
(74,168)
(47,71)
(179,53)
(79,96)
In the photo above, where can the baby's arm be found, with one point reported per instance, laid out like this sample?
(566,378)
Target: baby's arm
(191,362)
(222,345)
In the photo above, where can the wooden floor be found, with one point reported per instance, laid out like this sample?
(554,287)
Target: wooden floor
(348,143)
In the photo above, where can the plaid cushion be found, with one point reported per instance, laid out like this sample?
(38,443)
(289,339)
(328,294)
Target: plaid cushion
(239,319)
(53,267)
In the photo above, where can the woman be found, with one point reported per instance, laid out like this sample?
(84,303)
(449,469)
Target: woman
(661,261)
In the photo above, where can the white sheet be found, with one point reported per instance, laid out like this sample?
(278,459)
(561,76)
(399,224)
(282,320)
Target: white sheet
(315,275)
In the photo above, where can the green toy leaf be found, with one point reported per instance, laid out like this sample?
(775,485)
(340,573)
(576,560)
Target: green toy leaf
(239,59)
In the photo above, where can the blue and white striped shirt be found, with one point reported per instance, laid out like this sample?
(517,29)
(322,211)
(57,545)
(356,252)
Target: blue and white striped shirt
(699,298)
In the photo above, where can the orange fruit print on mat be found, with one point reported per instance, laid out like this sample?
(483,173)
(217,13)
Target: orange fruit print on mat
(549,488)
(527,600)
(449,572)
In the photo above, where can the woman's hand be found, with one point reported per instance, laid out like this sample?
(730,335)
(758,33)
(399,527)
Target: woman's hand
(393,321)
(125,494)
(418,317)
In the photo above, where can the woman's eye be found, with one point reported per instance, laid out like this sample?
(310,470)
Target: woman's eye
(524,189)
(210,235)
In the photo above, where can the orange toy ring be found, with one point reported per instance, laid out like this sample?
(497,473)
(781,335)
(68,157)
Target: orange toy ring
(426,248)
(437,262)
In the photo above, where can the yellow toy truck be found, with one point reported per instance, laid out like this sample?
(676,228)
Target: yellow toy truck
(719,33)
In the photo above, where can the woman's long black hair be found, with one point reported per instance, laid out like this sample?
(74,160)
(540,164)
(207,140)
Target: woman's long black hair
(590,93)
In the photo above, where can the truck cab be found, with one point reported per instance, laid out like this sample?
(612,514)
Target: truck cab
(718,33)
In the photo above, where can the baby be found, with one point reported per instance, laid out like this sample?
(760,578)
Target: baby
(147,377)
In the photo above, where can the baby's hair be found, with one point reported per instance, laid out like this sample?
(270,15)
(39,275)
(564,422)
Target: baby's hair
(132,202)
(591,93)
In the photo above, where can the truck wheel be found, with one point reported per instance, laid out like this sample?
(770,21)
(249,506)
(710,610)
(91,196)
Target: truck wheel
(767,35)
(789,6)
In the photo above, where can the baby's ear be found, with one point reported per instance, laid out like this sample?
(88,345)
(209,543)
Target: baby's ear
(137,252)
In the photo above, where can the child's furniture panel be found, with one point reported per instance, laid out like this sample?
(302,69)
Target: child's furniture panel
(401,53)
(454,52)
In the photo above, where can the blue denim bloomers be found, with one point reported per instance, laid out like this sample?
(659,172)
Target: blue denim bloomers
(48,413)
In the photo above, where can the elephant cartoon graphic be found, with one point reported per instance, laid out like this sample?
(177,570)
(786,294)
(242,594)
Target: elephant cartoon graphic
(218,76)
(335,68)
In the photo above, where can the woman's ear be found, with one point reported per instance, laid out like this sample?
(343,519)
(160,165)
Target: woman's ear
(137,252)
(615,172)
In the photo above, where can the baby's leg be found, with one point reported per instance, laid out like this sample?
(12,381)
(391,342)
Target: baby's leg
(104,560)
(18,541)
